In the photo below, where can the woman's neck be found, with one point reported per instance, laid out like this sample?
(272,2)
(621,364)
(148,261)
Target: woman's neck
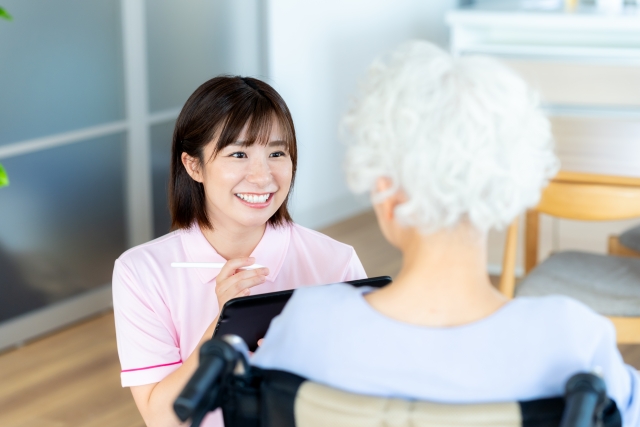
(443,280)
(233,243)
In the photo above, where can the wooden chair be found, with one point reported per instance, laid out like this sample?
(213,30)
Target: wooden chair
(608,284)
(627,244)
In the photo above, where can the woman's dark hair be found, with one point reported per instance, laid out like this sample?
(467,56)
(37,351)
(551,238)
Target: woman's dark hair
(221,107)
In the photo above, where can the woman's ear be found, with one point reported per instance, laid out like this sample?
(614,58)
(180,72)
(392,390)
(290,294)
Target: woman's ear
(192,165)
(386,207)
(385,212)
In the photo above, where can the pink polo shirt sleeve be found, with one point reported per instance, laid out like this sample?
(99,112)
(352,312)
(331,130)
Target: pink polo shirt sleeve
(147,341)
(354,269)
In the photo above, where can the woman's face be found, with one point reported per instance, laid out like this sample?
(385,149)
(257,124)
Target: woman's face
(244,185)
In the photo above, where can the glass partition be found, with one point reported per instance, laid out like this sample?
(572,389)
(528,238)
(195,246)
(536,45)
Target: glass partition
(61,67)
(160,157)
(70,138)
(62,224)
(182,49)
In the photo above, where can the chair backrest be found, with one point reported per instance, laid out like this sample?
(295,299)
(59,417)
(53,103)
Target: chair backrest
(571,195)
(318,405)
(591,197)
(287,400)
(253,397)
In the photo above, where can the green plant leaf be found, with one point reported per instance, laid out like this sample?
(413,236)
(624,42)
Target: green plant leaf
(4,14)
(4,178)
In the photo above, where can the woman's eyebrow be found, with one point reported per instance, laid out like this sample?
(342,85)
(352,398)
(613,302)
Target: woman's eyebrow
(240,144)
(277,143)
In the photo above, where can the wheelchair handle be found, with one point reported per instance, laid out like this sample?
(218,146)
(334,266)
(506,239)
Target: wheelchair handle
(584,396)
(217,360)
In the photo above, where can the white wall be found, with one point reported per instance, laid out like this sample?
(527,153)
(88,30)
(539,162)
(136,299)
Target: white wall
(240,27)
(317,50)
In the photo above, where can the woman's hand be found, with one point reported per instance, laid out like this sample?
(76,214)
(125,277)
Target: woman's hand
(233,282)
(155,400)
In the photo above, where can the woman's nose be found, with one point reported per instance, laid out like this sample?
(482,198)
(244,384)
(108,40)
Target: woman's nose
(259,172)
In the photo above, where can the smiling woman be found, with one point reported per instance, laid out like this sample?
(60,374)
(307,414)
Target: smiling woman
(259,176)
(233,164)
(252,136)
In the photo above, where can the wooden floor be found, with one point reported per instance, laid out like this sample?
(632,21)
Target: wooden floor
(71,378)
(68,379)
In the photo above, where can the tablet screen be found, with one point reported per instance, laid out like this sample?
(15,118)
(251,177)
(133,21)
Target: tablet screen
(249,317)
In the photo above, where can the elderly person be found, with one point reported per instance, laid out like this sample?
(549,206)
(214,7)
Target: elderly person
(449,148)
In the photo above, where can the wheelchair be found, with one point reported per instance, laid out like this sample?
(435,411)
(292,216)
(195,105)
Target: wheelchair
(254,397)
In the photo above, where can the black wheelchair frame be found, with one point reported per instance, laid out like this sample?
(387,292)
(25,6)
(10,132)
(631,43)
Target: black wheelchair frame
(253,397)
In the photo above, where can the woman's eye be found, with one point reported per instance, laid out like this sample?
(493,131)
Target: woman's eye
(239,155)
(278,154)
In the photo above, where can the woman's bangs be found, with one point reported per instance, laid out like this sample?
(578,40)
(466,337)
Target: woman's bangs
(260,124)
(276,115)
(231,128)
(261,116)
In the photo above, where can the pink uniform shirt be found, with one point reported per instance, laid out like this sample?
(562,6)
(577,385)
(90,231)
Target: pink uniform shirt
(162,312)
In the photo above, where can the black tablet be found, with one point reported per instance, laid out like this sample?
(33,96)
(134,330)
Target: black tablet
(249,317)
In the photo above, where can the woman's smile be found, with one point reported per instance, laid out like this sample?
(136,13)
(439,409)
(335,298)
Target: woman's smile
(255,200)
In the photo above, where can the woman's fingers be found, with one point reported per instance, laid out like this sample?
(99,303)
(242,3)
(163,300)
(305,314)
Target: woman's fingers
(249,282)
(238,288)
(232,282)
(230,267)
(242,279)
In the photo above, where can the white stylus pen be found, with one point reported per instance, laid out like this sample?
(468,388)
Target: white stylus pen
(214,265)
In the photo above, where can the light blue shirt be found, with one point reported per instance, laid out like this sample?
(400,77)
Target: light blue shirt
(526,350)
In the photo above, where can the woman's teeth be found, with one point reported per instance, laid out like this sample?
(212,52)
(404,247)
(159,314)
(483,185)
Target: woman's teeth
(254,198)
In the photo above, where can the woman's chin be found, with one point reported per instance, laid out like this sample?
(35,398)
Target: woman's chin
(256,214)
(253,221)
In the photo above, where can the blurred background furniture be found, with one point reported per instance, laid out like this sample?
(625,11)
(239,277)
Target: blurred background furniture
(585,65)
(627,244)
(608,284)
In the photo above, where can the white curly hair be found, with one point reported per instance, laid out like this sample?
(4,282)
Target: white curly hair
(462,137)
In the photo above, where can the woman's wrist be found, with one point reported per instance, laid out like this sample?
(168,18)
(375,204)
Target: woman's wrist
(208,334)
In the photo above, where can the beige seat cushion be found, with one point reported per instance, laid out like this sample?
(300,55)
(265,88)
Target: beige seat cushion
(609,285)
(319,406)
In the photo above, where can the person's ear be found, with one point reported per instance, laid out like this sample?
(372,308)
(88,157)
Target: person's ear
(386,207)
(193,167)
(385,211)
